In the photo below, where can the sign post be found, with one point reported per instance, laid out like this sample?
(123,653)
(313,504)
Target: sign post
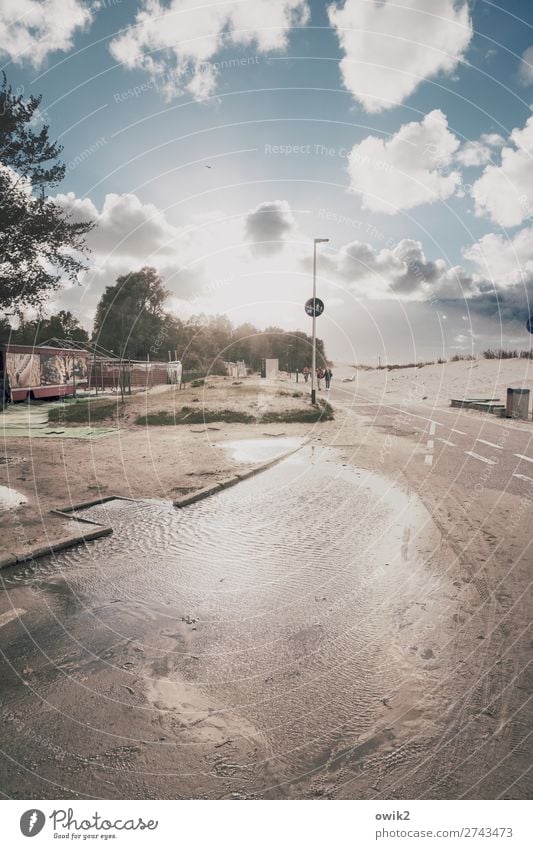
(314,307)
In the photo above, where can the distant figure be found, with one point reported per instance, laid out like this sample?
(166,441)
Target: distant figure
(328,374)
(306,372)
(319,376)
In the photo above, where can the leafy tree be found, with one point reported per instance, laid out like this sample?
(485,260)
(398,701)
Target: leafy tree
(130,320)
(39,243)
(63,325)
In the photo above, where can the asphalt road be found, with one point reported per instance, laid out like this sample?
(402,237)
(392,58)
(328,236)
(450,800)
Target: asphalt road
(458,445)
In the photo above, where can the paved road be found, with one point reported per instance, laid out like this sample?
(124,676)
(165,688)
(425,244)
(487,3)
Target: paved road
(457,444)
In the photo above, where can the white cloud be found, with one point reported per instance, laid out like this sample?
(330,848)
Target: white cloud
(480,152)
(526,66)
(125,227)
(505,192)
(506,261)
(177,42)
(30,30)
(390,48)
(410,168)
(268,225)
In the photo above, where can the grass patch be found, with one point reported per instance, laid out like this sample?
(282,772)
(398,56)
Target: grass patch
(188,415)
(85,411)
(321,412)
(196,383)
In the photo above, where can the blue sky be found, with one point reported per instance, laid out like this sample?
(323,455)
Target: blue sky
(397,129)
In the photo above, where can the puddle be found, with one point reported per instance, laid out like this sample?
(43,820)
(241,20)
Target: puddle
(10,498)
(257,450)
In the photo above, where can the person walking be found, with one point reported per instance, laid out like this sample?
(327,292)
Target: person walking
(319,377)
(306,372)
(328,374)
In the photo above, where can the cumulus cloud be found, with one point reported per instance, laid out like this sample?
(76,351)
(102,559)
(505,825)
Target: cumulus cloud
(506,261)
(526,66)
(504,192)
(498,291)
(127,235)
(390,48)
(402,270)
(125,227)
(410,168)
(480,152)
(268,225)
(30,30)
(176,42)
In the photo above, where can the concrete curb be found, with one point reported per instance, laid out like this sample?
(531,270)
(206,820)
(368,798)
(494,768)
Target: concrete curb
(101,531)
(43,551)
(84,505)
(200,494)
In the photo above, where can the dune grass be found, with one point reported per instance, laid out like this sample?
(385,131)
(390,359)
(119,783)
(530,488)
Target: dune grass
(85,411)
(188,415)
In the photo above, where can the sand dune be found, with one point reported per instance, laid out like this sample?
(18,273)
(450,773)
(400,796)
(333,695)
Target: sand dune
(440,382)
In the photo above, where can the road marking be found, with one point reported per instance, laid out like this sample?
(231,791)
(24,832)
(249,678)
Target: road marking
(522,477)
(428,459)
(458,431)
(5,618)
(523,457)
(492,444)
(483,459)
(446,442)
(430,445)
(432,427)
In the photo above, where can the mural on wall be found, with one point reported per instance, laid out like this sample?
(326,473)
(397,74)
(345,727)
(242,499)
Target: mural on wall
(57,369)
(24,370)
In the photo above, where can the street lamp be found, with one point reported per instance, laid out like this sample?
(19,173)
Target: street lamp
(313,361)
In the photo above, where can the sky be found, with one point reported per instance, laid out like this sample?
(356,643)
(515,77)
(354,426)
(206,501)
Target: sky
(215,140)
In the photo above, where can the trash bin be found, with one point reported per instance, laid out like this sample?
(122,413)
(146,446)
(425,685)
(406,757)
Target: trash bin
(517,403)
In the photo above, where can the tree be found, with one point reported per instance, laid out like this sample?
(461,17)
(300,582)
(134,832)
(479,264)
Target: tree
(130,320)
(62,325)
(39,243)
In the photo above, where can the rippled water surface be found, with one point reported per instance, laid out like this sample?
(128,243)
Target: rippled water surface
(288,600)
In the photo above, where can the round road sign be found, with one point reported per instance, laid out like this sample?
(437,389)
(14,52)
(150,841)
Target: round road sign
(314,306)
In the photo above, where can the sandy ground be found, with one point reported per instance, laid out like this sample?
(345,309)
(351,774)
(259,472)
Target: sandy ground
(437,384)
(457,726)
(135,461)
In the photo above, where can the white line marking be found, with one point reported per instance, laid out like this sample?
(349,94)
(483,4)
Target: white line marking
(479,457)
(492,444)
(522,477)
(458,431)
(428,460)
(430,445)
(432,427)
(5,618)
(446,441)
(523,457)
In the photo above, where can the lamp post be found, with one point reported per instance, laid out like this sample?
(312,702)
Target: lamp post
(313,360)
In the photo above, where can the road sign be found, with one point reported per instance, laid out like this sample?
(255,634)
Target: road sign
(314,307)
(529,324)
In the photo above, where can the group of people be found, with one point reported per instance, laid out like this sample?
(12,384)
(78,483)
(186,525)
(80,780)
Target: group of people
(321,374)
